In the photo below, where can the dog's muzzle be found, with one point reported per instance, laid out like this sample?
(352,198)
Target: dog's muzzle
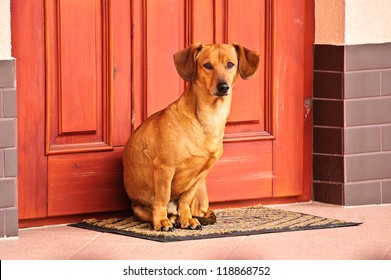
(222,89)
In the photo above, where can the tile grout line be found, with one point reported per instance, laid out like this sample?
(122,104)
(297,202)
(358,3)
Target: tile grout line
(236,247)
(85,245)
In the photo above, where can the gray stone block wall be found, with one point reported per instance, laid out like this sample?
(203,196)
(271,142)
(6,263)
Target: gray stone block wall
(352,124)
(8,150)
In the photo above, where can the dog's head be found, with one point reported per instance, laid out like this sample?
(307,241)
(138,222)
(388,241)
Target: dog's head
(216,66)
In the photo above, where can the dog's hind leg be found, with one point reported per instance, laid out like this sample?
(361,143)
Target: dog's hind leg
(141,212)
(144,214)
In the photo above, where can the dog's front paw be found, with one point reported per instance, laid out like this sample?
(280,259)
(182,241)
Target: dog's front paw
(190,223)
(164,225)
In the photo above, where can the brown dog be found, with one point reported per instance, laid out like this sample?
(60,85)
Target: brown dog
(166,160)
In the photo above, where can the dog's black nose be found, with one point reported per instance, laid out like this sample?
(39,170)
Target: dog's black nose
(222,88)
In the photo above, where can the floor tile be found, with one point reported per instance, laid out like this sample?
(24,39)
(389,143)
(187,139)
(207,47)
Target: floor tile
(110,246)
(285,247)
(55,242)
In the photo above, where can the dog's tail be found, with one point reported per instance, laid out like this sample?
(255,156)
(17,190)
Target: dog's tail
(208,219)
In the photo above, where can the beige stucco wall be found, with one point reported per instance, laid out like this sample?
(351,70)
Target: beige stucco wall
(352,22)
(5,29)
(367,21)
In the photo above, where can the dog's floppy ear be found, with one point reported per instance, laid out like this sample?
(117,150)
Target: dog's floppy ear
(185,61)
(248,61)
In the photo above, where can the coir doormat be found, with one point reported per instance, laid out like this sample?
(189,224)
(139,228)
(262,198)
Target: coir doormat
(230,222)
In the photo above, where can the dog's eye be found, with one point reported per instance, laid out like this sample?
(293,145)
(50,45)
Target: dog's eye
(208,66)
(230,65)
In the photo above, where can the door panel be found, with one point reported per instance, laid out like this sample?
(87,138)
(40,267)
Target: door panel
(245,171)
(79,93)
(231,21)
(85,183)
(81,76)
(247,26)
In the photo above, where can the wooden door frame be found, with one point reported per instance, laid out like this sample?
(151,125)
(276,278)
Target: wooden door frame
(309,40)
(300,50)
(28,37)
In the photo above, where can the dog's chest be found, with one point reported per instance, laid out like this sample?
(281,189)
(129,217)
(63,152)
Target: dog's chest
(213,125)
(196,165)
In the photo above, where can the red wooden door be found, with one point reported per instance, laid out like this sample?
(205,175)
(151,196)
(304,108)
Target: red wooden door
(104,66)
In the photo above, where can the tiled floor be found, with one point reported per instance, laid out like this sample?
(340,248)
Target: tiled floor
(371,240)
